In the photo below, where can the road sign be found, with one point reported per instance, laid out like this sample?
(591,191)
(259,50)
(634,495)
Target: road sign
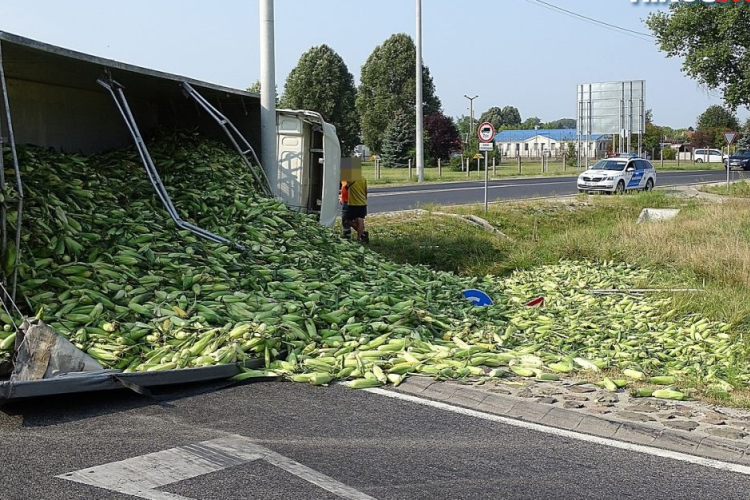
(730,137)
(486,146)
(486,132)
(478,298)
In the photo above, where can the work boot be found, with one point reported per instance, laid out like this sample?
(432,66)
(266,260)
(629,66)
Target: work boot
(347,234)
(365,237)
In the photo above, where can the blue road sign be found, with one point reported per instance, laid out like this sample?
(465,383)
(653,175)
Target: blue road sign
(478,298)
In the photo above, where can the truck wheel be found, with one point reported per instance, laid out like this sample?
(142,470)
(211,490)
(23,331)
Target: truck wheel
(649,185)
(620,188)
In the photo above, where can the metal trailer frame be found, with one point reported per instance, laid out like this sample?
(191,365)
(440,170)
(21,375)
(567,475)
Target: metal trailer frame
(60,100)
(9,298)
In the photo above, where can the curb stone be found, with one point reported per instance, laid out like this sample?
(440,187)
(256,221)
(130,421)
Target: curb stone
(652,433)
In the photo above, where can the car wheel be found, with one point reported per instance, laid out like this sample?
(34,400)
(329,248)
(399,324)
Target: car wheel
(649,185)
(620,188)
(699,160)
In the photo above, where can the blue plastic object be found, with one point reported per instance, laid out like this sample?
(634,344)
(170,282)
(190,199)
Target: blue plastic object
(478,298)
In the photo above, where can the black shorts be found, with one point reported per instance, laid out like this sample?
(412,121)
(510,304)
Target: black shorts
(353,213)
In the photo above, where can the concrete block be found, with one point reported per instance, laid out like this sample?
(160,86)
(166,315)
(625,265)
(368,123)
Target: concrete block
(562,419)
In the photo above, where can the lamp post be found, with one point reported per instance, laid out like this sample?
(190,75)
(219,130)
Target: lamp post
(420,100)
(268,92)
(471,114)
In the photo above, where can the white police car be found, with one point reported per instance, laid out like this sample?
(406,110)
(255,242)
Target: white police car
(617,175)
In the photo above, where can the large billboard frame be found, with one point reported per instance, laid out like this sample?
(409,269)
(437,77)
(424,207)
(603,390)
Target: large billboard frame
(616,108)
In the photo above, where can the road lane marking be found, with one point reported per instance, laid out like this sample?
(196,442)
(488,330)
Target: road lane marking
(141,476)
(453,190)
(612,443)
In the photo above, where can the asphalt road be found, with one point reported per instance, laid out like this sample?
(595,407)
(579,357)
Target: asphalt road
(396,198)
(376,446)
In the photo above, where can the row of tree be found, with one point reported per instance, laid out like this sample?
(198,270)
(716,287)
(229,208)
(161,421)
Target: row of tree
(381,113)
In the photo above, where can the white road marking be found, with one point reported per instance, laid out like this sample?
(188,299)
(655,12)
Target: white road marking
(450,190)
(612,443)
(141,476)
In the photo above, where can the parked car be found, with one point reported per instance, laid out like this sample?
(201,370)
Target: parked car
(740,159)
(706,155)
(617,175)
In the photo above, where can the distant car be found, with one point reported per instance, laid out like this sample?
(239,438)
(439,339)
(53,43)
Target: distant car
(617,175)
(706,155)
(740,159)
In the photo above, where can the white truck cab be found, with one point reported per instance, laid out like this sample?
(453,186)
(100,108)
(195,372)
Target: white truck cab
(309,167)
(617,175)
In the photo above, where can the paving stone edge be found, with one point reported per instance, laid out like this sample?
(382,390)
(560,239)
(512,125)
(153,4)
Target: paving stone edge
(530,411)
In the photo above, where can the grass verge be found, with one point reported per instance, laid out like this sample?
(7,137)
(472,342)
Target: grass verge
(739,189)
(707,246)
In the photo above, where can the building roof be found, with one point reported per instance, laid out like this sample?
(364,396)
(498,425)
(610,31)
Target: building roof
(563,134)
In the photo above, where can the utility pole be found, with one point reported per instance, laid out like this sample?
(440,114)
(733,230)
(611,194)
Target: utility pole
(420,100)
(268,92)
(472,130)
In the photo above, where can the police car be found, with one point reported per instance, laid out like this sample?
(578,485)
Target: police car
(617,175)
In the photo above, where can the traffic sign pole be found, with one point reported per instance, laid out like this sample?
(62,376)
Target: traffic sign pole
(486,135)
(730,137)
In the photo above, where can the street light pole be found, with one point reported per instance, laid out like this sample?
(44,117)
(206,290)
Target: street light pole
(268,92)
(471,114)
(420,100)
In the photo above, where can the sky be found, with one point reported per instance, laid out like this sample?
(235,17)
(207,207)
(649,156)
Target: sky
(509,52)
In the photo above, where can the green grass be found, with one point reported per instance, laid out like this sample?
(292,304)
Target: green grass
(739,189)
(507,169)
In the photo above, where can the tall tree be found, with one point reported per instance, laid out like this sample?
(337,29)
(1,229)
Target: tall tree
(398,141)
(507,117)
(511,116)
(714,43)
(388,86)
(493,115)
(718,117)
(530,123)
(442,136)
(321,82)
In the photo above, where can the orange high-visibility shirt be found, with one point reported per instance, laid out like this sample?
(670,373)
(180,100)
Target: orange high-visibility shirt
(344,192)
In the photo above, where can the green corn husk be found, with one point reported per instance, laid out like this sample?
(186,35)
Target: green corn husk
(111,272)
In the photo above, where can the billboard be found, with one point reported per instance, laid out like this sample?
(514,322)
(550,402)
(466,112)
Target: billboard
(617,108)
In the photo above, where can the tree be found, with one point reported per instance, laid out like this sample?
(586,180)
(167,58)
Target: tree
(507,117)
(442,136)
(255,88)
(564,123)
(388,86)
(530,123)
(321,82)
(493,115)
(649,116)
(699,33)
(511,116)
(398,141)
(718,117)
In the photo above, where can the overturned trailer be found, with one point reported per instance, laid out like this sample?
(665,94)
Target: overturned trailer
(75,102)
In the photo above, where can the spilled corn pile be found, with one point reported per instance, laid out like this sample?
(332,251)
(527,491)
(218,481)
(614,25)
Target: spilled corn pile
(105,266)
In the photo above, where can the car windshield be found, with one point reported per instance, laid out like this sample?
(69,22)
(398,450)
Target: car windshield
(616,166)
(743,153)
